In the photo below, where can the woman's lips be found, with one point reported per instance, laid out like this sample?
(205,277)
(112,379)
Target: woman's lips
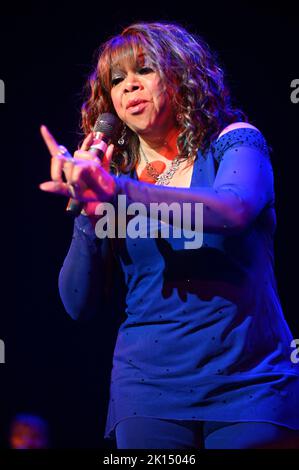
(137,108)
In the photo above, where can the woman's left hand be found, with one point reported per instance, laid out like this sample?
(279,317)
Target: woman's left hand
(85,179)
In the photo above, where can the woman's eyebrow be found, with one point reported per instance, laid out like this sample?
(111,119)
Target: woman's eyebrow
(141,60)
(116,70)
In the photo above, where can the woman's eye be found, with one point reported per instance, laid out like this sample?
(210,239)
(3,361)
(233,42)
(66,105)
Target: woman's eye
(116,80)
(142,71)
(145,70)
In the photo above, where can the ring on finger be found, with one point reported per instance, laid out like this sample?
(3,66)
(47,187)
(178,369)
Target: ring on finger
(63,152)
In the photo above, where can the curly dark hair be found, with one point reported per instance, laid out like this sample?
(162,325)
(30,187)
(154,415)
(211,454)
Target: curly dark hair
(186,66)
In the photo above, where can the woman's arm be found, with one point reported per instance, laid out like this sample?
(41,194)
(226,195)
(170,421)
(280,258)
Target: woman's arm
(243,186)
(88,266)
(83,275)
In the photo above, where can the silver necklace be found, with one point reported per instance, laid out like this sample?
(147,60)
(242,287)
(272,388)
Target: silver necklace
(163,178)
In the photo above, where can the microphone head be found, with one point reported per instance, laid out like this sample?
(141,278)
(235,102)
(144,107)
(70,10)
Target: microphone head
(108,124)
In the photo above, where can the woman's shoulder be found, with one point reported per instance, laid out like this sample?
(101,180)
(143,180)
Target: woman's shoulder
(237,125)
(239,134)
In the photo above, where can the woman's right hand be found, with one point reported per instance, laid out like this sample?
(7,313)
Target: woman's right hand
(85,171)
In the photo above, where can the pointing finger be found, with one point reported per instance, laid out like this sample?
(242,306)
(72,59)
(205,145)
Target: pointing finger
(50,142)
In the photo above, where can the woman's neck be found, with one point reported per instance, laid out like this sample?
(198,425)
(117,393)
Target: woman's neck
(164,145)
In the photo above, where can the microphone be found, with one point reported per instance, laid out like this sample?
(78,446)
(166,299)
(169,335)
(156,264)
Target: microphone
(109,125)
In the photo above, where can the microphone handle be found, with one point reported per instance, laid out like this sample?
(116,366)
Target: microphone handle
(74,207)
(98,148)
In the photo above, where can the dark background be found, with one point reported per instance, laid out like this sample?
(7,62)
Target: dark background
(55,367)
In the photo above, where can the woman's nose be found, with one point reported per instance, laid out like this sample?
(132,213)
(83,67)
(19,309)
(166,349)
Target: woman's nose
(132,83)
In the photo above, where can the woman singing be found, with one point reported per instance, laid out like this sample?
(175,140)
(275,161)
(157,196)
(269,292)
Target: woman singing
(203,356)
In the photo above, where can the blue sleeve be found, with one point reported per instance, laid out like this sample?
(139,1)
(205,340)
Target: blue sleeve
(245,169)
(243,186)
(81,279)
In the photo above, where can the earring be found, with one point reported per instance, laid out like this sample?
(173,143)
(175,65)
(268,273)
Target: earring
(122,138)
(179,117)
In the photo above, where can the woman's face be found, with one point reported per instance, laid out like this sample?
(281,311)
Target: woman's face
(140,99)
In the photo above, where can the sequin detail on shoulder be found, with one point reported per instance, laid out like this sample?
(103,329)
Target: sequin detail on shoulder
(238,137)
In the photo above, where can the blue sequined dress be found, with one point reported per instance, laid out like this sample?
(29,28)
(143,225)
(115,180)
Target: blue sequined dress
(204,336)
